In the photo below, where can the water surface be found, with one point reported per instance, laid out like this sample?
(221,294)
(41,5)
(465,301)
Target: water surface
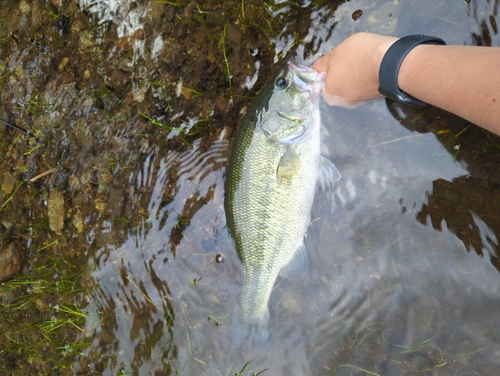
(403,275)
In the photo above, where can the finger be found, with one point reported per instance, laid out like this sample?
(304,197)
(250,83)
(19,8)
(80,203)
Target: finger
(335,100)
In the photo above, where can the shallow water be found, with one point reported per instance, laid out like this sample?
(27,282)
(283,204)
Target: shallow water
(403,275)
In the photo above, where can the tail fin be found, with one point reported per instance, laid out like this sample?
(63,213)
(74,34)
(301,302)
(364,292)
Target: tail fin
(250,329)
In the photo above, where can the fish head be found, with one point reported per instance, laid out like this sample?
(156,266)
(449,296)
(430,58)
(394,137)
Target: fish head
(306,79)
(292,102)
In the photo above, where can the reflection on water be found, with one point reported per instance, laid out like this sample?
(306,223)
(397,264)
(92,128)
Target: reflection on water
(146,290)
(406,297)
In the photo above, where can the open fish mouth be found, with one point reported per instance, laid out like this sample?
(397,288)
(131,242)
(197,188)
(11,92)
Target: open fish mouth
(307,79)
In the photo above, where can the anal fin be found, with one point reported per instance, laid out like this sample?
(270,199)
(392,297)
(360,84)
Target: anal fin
(297,266)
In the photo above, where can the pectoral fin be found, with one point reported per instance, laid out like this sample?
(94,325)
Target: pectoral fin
(327,174)
(297,266)
(288,166)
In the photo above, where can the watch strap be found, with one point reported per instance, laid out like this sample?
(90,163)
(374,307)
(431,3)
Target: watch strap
(391,63)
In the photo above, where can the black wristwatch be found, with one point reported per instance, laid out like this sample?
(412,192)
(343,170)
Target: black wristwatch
(389,68)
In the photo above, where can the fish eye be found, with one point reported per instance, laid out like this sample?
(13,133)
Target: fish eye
(280,83)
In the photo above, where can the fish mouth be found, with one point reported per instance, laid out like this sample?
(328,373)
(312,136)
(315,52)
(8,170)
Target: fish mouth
(285,115)
(307,79)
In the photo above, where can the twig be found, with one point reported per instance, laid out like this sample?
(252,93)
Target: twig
(42,174)
(14,126)
(395,140)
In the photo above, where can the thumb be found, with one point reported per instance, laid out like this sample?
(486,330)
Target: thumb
(321,64)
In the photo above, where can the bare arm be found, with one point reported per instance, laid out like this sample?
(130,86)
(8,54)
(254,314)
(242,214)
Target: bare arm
(464,80)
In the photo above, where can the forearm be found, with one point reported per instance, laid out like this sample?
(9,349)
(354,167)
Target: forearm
(463,80)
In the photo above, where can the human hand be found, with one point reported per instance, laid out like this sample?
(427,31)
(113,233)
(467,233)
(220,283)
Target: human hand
(352,69)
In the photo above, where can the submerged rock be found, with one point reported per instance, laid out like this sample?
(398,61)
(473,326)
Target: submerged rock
(9,182)
(292,304)
(56,211)
(78,221)
(11,260)
(83,134)
(384,20)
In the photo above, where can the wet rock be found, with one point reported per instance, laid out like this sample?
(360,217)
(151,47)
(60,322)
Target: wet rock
(36,17)
(76,27)
(292,304)
(171,54)
(24,7)
(12,80)
(128,42)
(56,211)
(118,79)
(233,34)
(20,93)
(452,196)
(8,183)
(385,19)
(44,122)
(140,94)
(115,203)
(211,55)
(435,353)
(12,23)
(125,64)
(81,199)
(19,71)
(39,305)
(83,134)
(11,260)
(64,62)
(356,14)
(86,74)
(74,182)
(78,221)
(104,178)
(65,78)
(216,18)
(23,22)
(86,40)
(100,204)
(156,10)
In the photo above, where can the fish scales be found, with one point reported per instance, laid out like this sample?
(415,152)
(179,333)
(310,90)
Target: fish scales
(270,185)
(275,215)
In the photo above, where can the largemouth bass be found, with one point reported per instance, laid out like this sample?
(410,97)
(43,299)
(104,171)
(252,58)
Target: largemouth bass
(271,179)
